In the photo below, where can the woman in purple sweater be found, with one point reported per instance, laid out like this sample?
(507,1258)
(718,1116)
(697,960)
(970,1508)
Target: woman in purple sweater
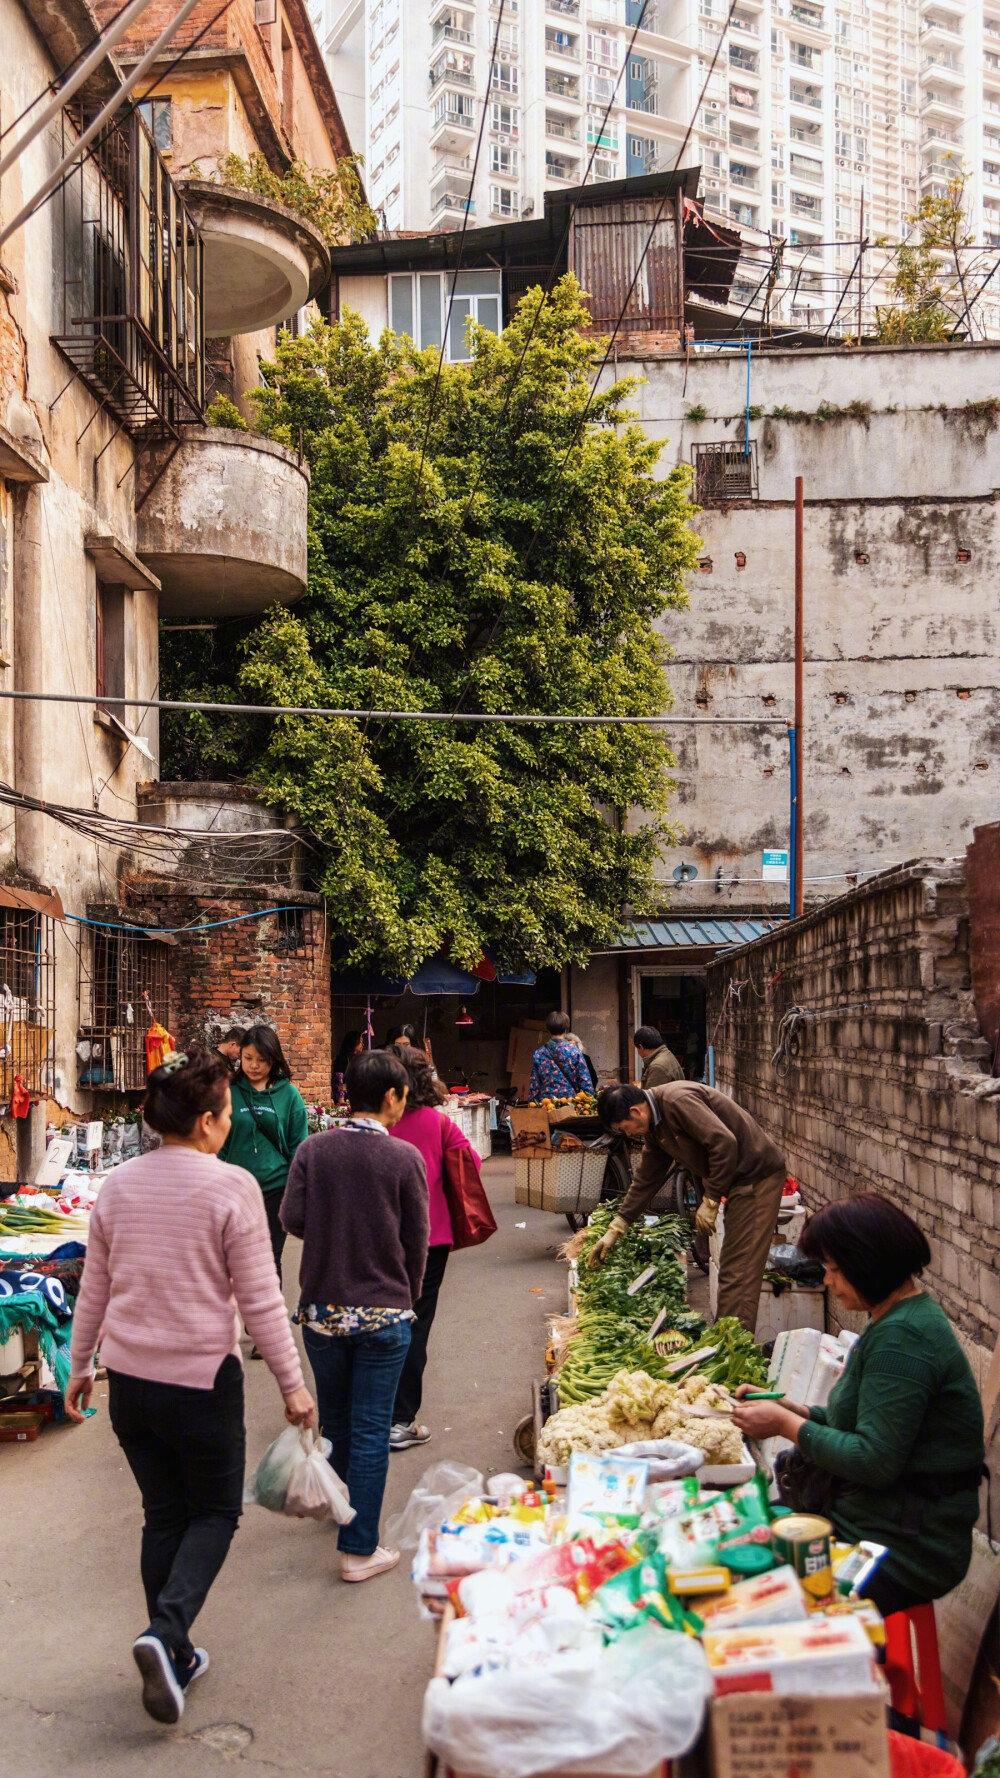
(359,1203)
(433,1135)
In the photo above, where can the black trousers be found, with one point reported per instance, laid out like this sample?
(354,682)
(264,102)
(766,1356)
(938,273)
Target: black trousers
(410,1390)
(272,1205)
(186,1449)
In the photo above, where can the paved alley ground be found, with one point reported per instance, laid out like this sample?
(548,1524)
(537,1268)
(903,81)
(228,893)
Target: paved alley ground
(309,1677)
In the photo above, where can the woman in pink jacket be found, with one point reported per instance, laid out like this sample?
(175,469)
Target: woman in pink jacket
(426,1127)
(177,1241)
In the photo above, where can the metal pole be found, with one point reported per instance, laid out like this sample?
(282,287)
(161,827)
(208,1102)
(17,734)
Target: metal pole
(792,789)
(75,81)
(799,698)
(861,260)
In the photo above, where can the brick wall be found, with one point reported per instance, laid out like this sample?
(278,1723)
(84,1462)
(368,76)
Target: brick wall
(888,1092)
(251,972)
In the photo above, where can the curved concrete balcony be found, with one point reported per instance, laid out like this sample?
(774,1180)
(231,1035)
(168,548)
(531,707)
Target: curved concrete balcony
(262,260)
(224,525)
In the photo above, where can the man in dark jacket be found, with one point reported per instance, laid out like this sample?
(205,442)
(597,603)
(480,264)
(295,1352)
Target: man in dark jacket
(659,1064)
(722,1145)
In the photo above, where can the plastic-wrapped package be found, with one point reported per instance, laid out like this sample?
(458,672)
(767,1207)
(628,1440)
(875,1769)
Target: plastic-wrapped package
(622,1711)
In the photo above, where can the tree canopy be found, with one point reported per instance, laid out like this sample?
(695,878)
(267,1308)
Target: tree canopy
(479,540)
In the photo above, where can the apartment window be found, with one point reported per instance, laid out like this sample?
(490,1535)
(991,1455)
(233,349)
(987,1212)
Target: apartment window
(504,119)
(601,132)
(710,121)
(505,78)
(600,89)
(503,160)
(109,674)
(455,108)
(604,169)
(777,194)
(777,43)
(602,48)
(507,42)
(418,302)
(158,117)
(636,69)
(504,201)
(777,155)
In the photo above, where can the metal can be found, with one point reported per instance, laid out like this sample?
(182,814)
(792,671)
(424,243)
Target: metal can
(804,1543)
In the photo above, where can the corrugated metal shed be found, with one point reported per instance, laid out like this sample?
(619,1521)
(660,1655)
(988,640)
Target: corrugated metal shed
(665,935)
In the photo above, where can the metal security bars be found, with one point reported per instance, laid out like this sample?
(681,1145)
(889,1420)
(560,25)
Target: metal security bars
(133,279)
(27,1000)
(123,987)
(725,472)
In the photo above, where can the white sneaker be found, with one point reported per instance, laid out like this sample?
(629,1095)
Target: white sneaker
(402,1437)
(366,1567)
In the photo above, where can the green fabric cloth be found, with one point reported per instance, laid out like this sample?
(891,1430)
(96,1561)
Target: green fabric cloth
(907,1408)
(27,1309)
(282,1115)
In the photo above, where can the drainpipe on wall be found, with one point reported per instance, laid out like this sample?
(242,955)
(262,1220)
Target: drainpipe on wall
(29,674)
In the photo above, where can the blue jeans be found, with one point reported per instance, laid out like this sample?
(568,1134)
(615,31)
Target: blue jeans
(356,1377)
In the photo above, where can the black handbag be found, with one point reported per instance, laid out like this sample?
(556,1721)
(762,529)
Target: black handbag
(803,1486)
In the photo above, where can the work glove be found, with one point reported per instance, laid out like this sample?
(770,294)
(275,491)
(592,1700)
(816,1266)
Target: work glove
(599,1252)
(707,1216)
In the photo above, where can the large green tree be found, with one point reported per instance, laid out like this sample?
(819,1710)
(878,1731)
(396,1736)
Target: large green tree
(476,538)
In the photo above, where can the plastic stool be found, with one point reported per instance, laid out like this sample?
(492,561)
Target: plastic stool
(916,1693)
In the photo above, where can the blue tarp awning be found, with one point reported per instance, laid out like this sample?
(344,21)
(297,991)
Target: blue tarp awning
(438,975)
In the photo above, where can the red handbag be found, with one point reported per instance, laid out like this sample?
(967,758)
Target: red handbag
(472,1220)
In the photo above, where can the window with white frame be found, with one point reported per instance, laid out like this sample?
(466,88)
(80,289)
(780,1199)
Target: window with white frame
(507,42)
(505,77)
(602,48)
(418,304)
(460,106)
(503,160)
(504,119)
(504,201)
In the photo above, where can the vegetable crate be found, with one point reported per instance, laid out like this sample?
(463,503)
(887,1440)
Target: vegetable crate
(563,1182)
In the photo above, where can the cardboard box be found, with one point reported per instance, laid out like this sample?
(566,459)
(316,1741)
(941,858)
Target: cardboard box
(530,1131)
(763,1735)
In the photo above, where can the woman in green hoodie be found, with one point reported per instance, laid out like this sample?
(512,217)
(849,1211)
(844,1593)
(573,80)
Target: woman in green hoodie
(269,1122)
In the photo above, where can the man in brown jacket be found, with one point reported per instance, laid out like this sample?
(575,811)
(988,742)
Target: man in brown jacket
(735,1159)
(659,1064)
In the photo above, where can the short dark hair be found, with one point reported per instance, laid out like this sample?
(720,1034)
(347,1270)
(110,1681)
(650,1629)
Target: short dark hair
(615,1103)
(647,1038)
(267,1043)
(370,1076)
(874,1243)
(557,1024)
(177,1097)
(400,1034)
(425,1087)
(235,1034)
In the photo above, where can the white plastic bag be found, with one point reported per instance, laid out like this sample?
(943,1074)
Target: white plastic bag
(668,1458)
(440,1492)
(641,1702)
(294,1477)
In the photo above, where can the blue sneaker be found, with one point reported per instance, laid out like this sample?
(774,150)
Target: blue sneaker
(162,1695)
(187,1675)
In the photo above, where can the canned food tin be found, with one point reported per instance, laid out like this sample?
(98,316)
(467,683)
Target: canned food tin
(804,1543)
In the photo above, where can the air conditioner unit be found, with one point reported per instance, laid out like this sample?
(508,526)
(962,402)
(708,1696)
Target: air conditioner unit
(528,209)
(503,137)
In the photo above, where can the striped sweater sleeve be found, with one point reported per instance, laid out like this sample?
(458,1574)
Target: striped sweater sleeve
(92,1301)
(258,1294)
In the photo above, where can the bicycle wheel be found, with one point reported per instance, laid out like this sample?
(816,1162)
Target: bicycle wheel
(688,1193)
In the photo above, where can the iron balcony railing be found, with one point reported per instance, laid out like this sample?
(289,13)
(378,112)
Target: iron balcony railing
(132,322)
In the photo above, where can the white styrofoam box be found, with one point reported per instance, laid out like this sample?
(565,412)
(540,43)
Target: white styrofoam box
(793,1362)
(11,1353)
(561,1182)
(729,1475)
(795,1307)
(474,1123)
(828,1370)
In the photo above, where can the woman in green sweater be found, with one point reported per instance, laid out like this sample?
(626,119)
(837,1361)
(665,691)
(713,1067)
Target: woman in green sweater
(269,1122)
(901,1438)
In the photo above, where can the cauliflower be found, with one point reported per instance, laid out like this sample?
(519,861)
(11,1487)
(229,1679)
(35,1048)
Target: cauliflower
(719,1439)
(631,1395)
(666,1420)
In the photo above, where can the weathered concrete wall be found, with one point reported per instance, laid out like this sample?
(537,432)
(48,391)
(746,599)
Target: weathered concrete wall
(594,1001)
(887,1092)
(59,752)
(900,454)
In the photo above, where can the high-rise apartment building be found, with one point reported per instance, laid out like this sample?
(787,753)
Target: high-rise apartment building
(822,121)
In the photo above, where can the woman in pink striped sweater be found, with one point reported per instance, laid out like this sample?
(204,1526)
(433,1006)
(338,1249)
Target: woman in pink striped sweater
(178,1242)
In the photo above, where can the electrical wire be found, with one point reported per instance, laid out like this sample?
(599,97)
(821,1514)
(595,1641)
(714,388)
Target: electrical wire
(474,716)
(95,54)
(60,74)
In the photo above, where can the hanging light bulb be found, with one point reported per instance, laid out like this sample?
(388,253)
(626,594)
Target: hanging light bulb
(464,1017)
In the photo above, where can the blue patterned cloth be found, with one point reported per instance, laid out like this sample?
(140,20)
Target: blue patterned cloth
(558,1070)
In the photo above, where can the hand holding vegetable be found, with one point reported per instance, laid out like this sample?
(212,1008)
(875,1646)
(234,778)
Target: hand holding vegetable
(707,1216)
(600,1250)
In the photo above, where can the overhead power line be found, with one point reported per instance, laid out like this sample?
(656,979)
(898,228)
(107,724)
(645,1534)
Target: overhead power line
(520,717)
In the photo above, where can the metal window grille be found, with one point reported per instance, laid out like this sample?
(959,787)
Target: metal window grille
(293,933)
(123,986)
(27,1000)
(132,261)
(725,472)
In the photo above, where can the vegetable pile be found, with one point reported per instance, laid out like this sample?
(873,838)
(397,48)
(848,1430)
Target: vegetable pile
(613,1327)
(638,1406)
(17,1219)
